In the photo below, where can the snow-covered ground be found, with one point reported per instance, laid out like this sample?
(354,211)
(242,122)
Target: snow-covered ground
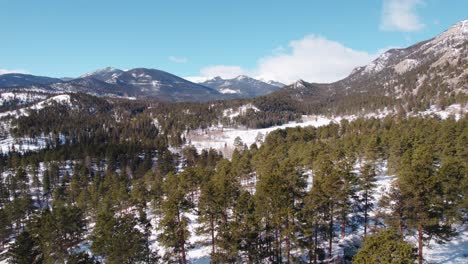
(25,144)
(20,97)
(222,139)
(8,143)
(61,99)
(198,250)
(454,251)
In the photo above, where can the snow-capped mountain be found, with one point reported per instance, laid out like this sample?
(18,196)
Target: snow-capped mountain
(105,74)
(140,83)
(444,48)
(424,74)
(242,86)
(135,83)
(163,85)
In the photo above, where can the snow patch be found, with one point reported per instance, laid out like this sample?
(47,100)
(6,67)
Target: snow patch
(405,65)
(242,110)
(377,64)
(228,91)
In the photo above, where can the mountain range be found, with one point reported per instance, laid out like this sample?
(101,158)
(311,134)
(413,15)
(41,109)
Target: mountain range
(143,83)
(429,72)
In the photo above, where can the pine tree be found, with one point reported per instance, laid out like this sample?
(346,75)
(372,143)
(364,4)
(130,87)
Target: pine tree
(210,212)
(423,190)
(314,215)
(327,183)
(4,193)
(346,191)
(57,231)
(278,198)
(246,228)
(385,247)
(226,186)
(22,182)
(148,256)
(25,250)
(118,240)
(174,223)
(5,229)
(366,187)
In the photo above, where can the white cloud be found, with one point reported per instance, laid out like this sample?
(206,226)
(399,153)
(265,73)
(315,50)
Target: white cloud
(400,15)
(224,71)
(312,58)
(178,59)
(6,71)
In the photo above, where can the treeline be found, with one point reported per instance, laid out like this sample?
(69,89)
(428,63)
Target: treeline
(286,201)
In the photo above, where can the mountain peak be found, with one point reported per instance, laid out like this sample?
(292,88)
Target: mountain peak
(457,31)
(462,26)
(242,86)
(299,84)
(102,72)
(242,77)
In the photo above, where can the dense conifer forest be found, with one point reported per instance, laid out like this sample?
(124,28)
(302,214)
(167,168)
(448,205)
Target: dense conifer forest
(112,186)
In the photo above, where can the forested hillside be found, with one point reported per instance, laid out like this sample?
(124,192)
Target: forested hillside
(118,194)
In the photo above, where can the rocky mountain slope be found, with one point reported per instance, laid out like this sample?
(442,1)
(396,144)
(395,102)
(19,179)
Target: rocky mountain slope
(432,72)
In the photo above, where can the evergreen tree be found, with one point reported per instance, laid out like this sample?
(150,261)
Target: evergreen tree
(327,184)
(385,247)
(278,199)
(314,218)
(245,226)
(25,250)
(366,186)
(118,240)
(5,230)
(423,190)
(58,231)
(174,223)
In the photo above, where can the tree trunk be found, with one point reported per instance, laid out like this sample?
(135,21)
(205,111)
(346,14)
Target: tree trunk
(420,244)
(277,246)
(315,243)
(343,227)
(280,253)
(311,248)
(181,240)
(330,233)
(288,241)
(213,246)
(400,227)
(365,213)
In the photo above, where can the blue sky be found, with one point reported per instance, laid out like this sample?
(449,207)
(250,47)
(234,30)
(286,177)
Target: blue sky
(283,40)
